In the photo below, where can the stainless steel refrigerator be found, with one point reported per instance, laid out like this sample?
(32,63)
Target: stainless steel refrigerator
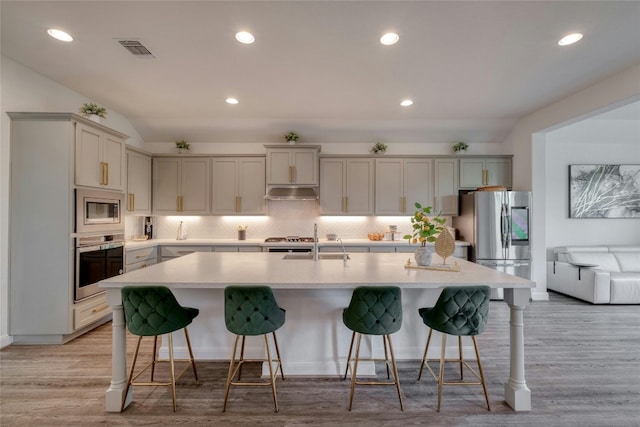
(498,226)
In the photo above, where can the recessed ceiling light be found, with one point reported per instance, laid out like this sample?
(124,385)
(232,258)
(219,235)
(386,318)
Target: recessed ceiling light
(232,101)
(570,39)
(245,37)
(389,39)
(406,103)
(60,35)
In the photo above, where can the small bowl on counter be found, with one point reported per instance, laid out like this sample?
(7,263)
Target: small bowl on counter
(376,236)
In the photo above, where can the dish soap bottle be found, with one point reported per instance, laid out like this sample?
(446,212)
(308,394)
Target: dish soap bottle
(180,235)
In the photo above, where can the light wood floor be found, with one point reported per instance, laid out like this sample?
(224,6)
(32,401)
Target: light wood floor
(582,365)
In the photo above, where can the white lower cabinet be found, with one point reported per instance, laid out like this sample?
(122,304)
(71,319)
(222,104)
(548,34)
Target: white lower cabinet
(170,252)
(87,312)
(347,249)
(135,259)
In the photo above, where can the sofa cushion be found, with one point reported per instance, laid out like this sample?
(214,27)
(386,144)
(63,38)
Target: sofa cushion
(624,248)
(628,261)
(562,252)
(625,288)
(604,261)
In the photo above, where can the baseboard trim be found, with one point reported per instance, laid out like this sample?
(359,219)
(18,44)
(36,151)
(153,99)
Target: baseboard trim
(5,340)
(540,296)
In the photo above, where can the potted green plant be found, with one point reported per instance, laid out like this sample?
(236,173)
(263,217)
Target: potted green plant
(292,137)
(182,146)
(425,229)
(93,111)
(379,148)
(460,147)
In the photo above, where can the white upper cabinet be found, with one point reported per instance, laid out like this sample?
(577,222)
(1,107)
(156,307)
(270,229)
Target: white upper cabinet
(238,186)
(138,183)
(181,186)
(400,183)
(100,158)
(292,166)
(446,186)
(346,186)
(480,172)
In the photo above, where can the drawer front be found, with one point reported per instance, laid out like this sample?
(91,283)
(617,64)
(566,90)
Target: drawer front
(138,265)
(139,255)
(176,251)
(87,312)
(382,249)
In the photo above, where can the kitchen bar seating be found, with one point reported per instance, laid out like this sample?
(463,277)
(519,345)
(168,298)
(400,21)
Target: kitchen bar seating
(154,311)
(373,310)
(459,311)
(252,311)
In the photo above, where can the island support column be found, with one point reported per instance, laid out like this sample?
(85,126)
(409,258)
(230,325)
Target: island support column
(516,393)
(115,393)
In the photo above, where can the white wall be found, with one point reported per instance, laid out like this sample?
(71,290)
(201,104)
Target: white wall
(24,90)
(527,142)
(566,148)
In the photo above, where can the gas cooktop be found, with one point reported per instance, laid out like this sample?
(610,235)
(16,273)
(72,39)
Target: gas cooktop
(289,239)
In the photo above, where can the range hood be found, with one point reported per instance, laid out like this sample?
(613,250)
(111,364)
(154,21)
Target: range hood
(292,193)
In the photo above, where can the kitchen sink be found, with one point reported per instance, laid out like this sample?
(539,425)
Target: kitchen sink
(308,256)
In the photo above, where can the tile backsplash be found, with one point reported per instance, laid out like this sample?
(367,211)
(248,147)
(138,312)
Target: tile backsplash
(285,218)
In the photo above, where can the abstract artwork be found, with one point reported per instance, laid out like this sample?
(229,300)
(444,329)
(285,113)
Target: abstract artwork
(604,191)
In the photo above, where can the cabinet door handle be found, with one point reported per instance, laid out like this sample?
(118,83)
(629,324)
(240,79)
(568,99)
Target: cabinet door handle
(435,203)
(132,202)
(143,256)
(179,203)
(99,309)
(290,174)
(295,174)
(346,204)
(103,179)
(106,175)
(238,203)
(485,177)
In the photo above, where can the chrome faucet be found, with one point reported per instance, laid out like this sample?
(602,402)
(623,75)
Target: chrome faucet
(345,257)
(315,242)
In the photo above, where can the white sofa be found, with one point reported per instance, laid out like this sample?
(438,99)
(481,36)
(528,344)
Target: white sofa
(597,274)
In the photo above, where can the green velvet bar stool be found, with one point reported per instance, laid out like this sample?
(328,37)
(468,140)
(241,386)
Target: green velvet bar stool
(459,311)
(373,310)
(252,311)
(154,311)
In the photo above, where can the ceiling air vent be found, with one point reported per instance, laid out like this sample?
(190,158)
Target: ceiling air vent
(135,48)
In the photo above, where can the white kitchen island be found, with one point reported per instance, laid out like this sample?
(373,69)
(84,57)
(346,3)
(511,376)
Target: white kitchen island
(313,340)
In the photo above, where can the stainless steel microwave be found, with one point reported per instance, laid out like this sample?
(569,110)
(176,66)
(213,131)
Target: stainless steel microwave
(98,211)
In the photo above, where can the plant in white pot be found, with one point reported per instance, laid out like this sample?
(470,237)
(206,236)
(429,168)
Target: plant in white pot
(379,148)
(292,137)
(182,146)
(460,147)
(425,229)
(93,111)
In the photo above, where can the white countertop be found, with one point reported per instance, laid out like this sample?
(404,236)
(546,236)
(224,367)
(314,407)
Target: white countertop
(260,242)
(218,270)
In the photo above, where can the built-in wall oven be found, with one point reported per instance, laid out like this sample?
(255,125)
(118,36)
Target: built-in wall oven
(97,258)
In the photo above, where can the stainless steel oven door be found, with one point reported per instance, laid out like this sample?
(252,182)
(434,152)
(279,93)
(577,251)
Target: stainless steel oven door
(96,263)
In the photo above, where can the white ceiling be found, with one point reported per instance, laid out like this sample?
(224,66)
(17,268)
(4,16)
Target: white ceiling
(472,68)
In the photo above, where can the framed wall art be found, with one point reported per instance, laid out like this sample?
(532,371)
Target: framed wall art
(604,191)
